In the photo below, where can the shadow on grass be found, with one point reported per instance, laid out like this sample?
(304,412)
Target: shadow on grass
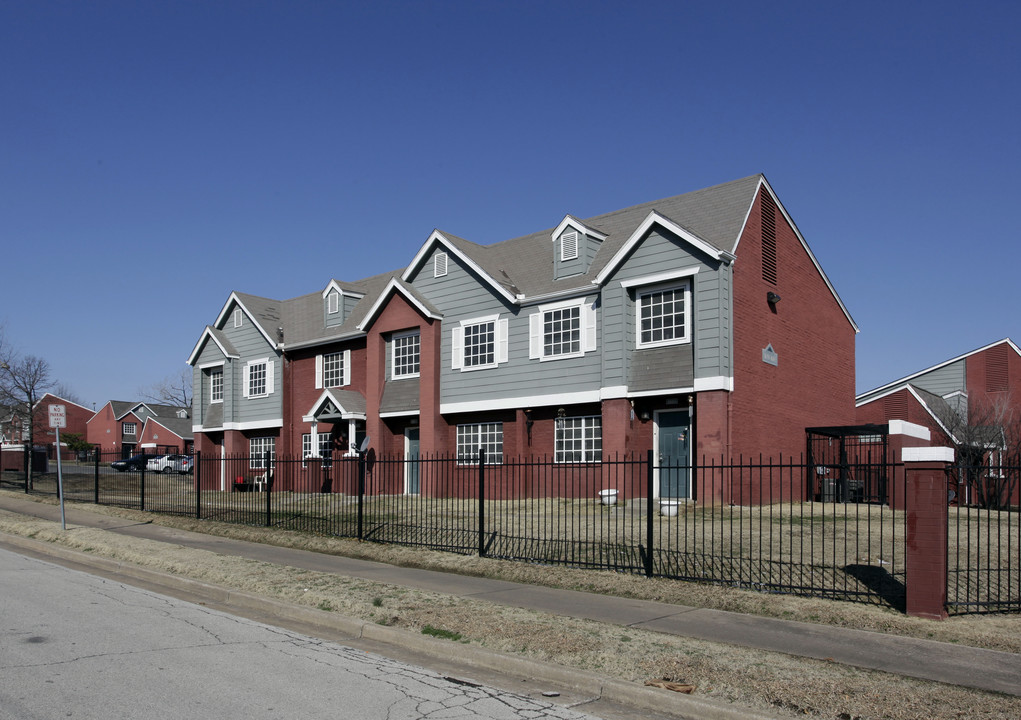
(877,579)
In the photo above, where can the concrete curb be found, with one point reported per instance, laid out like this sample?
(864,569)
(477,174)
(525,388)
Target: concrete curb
(584,682)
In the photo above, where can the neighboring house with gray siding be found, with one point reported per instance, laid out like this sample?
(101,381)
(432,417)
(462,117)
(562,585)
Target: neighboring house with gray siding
(698,325)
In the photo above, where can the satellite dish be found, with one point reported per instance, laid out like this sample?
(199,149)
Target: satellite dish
(365,445)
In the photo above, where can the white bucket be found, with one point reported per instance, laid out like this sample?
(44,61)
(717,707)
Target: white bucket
(668,507)
(608,497)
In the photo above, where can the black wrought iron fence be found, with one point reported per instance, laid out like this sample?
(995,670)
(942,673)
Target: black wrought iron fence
(758,524)
(984,538)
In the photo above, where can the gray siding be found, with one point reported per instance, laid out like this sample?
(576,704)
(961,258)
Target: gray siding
(251,345)
(200,405)
(942,381)
(711,346)
(461,295)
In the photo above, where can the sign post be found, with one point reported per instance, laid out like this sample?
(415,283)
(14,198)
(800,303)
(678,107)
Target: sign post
(58,419)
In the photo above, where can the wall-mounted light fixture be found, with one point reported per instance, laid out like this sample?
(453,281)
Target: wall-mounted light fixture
(529,422)
(644,416)
(561,414)
(772,298)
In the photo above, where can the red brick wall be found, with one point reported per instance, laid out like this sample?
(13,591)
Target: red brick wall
(104,430)
(813,383)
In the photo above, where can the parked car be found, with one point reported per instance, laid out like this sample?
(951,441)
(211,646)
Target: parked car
(165,463)
(186,464)
(135,463)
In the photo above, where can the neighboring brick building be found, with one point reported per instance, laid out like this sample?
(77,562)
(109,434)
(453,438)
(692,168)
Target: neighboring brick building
(118,425)
(697,326)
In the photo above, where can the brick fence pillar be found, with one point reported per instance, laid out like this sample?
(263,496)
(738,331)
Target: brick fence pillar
(925,558)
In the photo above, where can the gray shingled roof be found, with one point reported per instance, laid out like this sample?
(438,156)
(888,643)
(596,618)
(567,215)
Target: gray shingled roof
(523,265)
(180,427)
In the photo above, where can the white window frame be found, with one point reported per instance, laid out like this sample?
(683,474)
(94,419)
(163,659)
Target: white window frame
(471,436)
(685,288)
(133,429)
(239,317)
(459,358)
(321,361)
(568,243)
(587,321)
(440,262)
(333,302)
(591,429)
(215,373)
(246,379)
(397,339)
(319,451)
(256,458)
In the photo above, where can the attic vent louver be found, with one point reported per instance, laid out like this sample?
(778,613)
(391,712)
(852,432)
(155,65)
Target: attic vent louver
(569,246)
(439,264)
(996,369)
(768,208)
(896,405)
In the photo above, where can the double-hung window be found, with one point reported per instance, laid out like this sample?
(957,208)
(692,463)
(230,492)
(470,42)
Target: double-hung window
(259,447)
(333,369)
(479,436)
(663,316)
(257,380)
(406,348)
(480,343)
(216,385)
(316,446)
(562,330)
(578,439)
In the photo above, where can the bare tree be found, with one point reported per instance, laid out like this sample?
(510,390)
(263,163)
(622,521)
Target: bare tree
(64,392)
(172,390)
(23,380)
(986,436)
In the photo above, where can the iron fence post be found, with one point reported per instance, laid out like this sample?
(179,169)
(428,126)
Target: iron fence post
(482,502)
(27,461)
(95,489)
(196,467)
(648,513)
(141,487)
(361,492)
(269,486)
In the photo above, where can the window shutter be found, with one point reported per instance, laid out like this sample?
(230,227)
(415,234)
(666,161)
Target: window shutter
(347,367)
(269,377)
(319,371)
(588,321)
(502,338)
(246,374)
(535,336)
(457,348)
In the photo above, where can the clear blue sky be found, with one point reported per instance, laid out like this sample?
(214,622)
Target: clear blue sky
(156,156)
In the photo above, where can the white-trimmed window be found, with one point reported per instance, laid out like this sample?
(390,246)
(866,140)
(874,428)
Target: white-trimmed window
(257,380)
(258,447)
(578,439)
(216,385)
(239,317)
(479,343)
(662,315)
(333,302)
(569,246)
(333,369)
(439,264)
(562,330)
(406,355)
(130,428)
(320,449)
(475,436)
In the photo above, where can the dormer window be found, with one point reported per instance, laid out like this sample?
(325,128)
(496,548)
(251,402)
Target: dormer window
(439,265)
(333,302)
(569,246)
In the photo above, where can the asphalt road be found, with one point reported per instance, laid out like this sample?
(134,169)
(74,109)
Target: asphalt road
(73,645)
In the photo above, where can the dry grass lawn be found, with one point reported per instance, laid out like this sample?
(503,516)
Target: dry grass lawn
(781,684)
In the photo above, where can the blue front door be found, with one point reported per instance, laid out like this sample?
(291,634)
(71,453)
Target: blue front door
(674,454)
(411,464)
